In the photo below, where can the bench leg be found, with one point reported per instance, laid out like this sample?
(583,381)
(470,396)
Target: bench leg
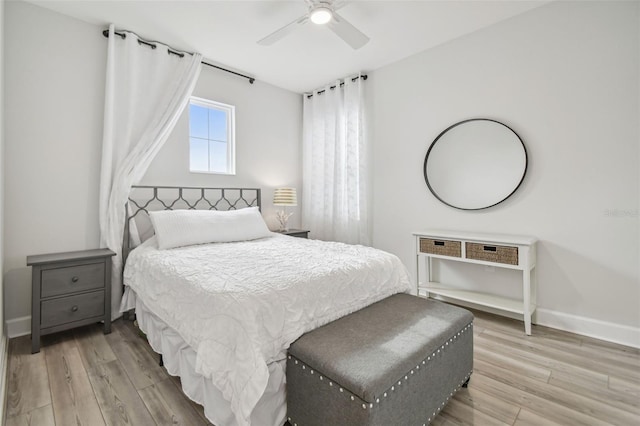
(161,362)
(466,383)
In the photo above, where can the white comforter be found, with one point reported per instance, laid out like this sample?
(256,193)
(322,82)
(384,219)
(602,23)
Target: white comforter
(240,305)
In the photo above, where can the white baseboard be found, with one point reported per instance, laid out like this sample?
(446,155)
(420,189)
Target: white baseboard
(19,327)
(603,330)
(4,361)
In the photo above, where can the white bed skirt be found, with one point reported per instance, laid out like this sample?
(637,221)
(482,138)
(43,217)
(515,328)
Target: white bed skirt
(179,360)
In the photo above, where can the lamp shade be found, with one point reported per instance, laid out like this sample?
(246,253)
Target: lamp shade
(285,197)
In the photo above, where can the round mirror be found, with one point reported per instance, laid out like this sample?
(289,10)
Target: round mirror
(475,164)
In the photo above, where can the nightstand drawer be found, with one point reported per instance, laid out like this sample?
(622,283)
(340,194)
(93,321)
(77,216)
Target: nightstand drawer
(72,279)
(492,253)
(73,308)
(440,247)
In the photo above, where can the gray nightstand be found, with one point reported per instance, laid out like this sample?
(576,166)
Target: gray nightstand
(69,290)
(300,233)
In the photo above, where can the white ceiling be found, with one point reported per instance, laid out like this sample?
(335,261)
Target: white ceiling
(225,32)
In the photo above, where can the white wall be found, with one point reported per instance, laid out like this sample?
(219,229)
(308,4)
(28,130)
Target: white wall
(3,339)
(565,77)
(268,132)
(55,73)
(54,95)
(2,109)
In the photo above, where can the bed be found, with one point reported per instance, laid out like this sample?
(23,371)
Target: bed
(223,314)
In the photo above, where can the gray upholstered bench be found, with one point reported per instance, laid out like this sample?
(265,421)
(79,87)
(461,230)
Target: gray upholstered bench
(396,362)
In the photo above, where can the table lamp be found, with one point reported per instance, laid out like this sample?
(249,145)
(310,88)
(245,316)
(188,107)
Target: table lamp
(285,197)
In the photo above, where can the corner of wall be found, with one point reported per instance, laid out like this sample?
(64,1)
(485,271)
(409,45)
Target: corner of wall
(17,327)
(3,339)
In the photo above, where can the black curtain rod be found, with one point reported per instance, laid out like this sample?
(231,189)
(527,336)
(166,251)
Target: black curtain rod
(363,76)
(152,44)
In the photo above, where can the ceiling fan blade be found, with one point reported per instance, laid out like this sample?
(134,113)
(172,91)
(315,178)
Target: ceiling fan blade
(282,32)
(339,4)
(350,34)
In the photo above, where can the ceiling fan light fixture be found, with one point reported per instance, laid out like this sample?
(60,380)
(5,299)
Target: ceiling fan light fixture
(321,15)
(322,12)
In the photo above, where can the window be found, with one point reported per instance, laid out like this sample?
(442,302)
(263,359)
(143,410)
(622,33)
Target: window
(211,137)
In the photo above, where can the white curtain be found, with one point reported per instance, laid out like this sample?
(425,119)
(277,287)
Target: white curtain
(335,157)
(146,92)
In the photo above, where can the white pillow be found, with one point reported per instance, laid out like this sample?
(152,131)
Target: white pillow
(178,228)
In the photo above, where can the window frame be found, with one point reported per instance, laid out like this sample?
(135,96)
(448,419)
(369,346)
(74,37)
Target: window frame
(231,134)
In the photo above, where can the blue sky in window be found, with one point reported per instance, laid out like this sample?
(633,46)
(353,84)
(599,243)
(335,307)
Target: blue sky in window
(199,155)
(198,125)
(207,139)
(218,156)
(217,125)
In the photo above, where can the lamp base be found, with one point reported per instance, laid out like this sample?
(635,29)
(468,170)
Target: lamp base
(283,218)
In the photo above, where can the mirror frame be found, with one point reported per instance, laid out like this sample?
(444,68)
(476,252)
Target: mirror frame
(426,159)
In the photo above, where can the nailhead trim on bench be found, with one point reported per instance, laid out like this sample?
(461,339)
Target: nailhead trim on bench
(406,377)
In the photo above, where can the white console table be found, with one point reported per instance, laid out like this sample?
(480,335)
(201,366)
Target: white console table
(502,251)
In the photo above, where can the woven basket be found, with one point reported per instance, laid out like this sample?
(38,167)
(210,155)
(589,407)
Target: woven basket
(497,254)
(441,247)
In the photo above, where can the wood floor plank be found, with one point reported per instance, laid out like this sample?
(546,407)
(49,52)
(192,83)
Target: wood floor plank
(442,421)
(595,382)
(74,402)
(176,381)
(602,345)
(620,400)
(141,367)
(42,416)
(588,406)
(602,351)
(626,387)
(521,367)
(28,386)
(457,412)
(487,404)
(618,353)
(555,412)
(527,418)
(587,361)
(134,330)
(93,346)
(477,329)
(560,339)
(168,407)
(523,354)
(119,401)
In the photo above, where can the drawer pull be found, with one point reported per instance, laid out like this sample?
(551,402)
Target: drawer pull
(490,248)
(74,279)
(74,308)
(438,243)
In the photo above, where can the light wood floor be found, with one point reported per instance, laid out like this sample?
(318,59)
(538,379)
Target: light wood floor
(83,377)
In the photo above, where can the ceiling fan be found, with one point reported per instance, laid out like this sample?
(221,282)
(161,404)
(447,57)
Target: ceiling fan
(322,12)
